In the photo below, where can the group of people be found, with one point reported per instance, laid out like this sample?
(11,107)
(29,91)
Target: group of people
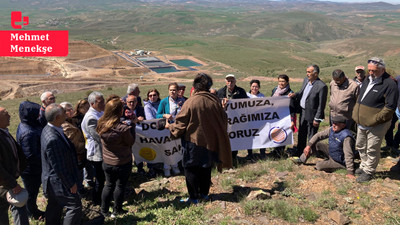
(62,148)
(365,105)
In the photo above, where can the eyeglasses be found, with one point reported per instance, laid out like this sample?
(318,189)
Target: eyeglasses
(152,95)
(131,102)
(375,62)
(52,98)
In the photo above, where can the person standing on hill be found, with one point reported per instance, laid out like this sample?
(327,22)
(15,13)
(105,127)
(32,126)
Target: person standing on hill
(12,163)
(360,75)
(231,91)
(28,137)
(310,103)
(59,170)
(94,153)
(151,104)
(202,125)
(133,89)
(373,113)
(344,94)
(46,98)
(283,89)
(117,139)
(255,93)
(181,91)
(169,108)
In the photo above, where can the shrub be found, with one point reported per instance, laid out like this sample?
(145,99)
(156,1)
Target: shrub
(280,209)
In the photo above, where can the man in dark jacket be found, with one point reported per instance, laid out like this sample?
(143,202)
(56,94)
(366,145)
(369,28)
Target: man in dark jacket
(12,163)
(310,103)
(59,170)
(231,91)
(373,113)
(28,137)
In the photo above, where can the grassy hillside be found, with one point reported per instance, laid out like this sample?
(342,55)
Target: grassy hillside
(263,38)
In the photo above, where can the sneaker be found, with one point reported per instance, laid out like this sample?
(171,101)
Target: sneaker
(175,170)
(205,197)
(189,201)
(141,172)
(394,152)
(359,171)
(167,172)
(395,168)
(296,160)
(105,214)
(364,177)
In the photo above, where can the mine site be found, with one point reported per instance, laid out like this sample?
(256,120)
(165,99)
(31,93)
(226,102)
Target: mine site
(89,66)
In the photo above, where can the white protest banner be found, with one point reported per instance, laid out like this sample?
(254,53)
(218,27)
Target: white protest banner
(154,145)
(259,123)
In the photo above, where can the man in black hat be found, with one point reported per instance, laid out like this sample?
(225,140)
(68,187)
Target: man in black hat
(339,154)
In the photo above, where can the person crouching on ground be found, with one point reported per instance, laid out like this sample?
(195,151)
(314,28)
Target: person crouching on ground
(202,124)
(339,152)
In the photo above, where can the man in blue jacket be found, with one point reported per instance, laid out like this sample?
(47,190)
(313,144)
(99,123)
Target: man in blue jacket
(28,137)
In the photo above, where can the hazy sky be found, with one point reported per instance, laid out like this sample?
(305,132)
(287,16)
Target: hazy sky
(389,1)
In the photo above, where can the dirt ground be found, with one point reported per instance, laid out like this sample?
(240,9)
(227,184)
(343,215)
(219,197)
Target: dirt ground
(87,67)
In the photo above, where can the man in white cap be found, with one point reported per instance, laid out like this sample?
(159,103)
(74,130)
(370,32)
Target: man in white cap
(373,113)
(360,75)
(231,91)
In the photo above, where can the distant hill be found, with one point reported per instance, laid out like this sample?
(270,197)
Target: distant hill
(254,37)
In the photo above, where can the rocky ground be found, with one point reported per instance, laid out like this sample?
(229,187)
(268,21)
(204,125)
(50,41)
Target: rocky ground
(263,192)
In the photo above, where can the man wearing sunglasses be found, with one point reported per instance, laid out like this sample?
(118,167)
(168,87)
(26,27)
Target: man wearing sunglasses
(373,113)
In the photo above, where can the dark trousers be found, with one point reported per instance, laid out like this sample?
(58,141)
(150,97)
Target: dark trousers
(32,184)
(116,180)
(4,211)
(57,200)
(88,172)
(198,181)
(389,134)
(99,184)
(20,216)
(396,139)
(306,131)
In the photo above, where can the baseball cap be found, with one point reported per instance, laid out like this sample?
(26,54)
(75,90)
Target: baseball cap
(230,75)
(376,61)
(339,119)
(359,68)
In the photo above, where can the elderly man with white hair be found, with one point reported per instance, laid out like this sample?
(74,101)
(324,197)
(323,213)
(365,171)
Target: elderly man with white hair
(46,98)
(373,113)
(133,89)
(94,153)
